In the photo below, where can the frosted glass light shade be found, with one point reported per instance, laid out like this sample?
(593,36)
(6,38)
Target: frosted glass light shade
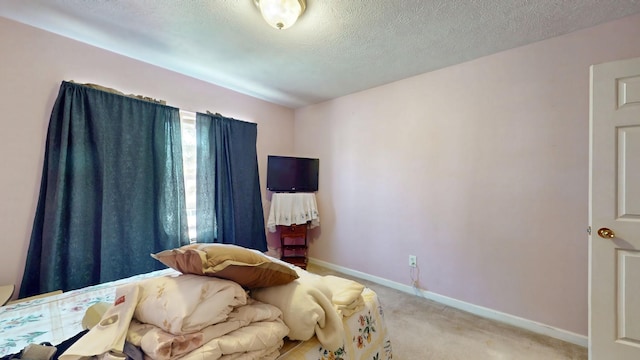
(281,14)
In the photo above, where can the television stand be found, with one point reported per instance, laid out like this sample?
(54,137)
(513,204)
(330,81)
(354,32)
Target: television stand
(293,244)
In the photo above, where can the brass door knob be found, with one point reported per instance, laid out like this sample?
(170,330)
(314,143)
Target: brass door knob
(606,233)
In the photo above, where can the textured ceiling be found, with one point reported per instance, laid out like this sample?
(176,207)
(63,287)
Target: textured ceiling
(336,48)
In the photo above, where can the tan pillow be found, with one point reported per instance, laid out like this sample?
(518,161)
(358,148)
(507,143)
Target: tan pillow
(248,268)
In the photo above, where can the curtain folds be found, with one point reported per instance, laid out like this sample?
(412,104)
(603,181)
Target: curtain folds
(112,191)
(229,203)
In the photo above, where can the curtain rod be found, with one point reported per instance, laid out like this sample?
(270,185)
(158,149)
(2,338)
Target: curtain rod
(114,91)
(141,97)
(227,117)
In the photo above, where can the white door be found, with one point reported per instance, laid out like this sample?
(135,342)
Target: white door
(614,211)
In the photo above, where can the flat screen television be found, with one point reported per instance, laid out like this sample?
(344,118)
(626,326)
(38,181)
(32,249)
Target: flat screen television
(292,174)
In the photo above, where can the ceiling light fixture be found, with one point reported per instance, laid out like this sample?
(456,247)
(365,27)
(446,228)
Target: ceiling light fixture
(281,14)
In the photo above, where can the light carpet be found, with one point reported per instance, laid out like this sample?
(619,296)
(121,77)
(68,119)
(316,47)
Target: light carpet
(423,329)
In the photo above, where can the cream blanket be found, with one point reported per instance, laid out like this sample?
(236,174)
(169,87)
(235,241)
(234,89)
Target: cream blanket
(255,320)
(187,303)
(313,304)
(186,316)
(260,340)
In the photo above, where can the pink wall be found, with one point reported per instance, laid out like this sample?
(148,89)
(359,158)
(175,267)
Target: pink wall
(33,64)
(479,169)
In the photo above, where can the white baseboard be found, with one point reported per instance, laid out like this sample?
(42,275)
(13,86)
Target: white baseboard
(530,325)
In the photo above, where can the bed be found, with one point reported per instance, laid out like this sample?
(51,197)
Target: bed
(361,332)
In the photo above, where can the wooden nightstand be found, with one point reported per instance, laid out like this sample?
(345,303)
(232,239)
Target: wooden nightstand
(293,244)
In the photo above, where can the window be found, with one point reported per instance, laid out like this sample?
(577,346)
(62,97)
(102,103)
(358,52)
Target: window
(188,129)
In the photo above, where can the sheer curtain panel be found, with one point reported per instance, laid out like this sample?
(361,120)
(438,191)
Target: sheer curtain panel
(112,191)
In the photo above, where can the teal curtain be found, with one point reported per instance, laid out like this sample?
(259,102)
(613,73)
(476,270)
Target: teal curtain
(229,203)
(112,191)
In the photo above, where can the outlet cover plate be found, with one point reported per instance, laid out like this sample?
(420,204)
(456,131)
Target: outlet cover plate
(413,261)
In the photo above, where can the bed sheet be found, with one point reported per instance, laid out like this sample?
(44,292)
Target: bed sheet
(366,337)
(55,318)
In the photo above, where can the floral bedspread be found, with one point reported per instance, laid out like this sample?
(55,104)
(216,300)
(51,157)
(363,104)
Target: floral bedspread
(55,318)
(366,337)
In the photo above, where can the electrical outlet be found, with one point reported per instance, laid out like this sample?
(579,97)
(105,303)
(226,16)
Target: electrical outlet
(413,262)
